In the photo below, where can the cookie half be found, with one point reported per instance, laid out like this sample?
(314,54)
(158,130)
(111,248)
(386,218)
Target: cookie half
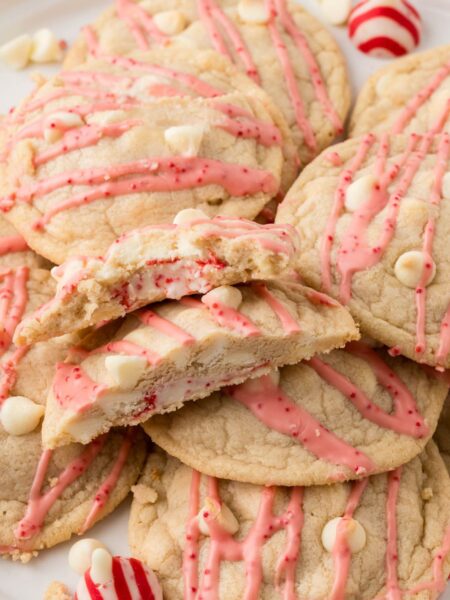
(410,95)
(373,218)
(85,165)
(179,351)
(276,43)
(342,416)
(387,534)
(191,256)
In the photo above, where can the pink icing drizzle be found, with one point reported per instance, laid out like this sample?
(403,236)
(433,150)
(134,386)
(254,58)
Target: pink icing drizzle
(209,11)
(8,372)
(289,324)
(393,589)
(247,126)
(151,319)
(104,491)
(230,318)
(276,410)
(223,547)
(405,418)
(140,23)
(12,243)
(73,389)
(342,555)
(129,349)
(39,504)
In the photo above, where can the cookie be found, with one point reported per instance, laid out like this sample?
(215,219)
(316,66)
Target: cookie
(410,95)
(342,416)
(85,165)
(373,218)
(179,351)
(277,44)
(48,496)
(147,265)
(261,542)
(171,71)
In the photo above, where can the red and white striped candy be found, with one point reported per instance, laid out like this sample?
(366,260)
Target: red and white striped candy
(384,28)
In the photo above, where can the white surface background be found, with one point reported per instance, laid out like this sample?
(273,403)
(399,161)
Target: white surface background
(65,17)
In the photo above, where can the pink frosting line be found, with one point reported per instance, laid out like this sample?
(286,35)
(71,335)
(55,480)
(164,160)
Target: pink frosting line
(230,318)
(190,554)
(40,504)
(345,180)
(428,238)
(438,582)
(296,100)
(149,175)
(247,126)
(140,23)
(107,487)
(444,341)
(151,319)
(287,321)
(342,555)
(13,301)
(277,411)
(392,586)
(209,11)
(129,349)
(12,243)
(73,389)
(8,372)
(405,418)
(420,98)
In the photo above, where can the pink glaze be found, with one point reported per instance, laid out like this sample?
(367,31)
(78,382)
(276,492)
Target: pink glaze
(209,12)
(12,243)
(287,321)
(151,319)
(277,411)
(437,585)
(444,341)
(146,175)
(230,318)
(39,504)
(321,299)
(428,238)
(356,253)
(405,418)
(128,349)
(420,98)
(83,137)
(140,23)
(90,37)
(291,81)
(223,546)
(13,300)
(342,555)
(345,180)
(8,372)
(393,591)
(247,126)
(334,158)
(73,389)
(108,80)
(104,491)
(290,27)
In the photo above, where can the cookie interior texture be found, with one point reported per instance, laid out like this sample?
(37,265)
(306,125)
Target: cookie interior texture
(419,492)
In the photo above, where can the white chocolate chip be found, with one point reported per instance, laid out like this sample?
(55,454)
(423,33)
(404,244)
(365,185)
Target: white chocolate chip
(336,12)
(143,84)
(59,122)
(65,272)
(80,554)
(46,47)
(101,568)
(220,513)
(20,415)
(170,22)
(225,294)
(253,11)
(359,191)
(410,266)
(125,370)
(16,53)
(185,139)
(446,187)
(188,215)
(355,535)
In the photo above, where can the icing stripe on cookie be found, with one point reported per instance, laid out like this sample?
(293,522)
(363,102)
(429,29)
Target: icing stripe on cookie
(140,23)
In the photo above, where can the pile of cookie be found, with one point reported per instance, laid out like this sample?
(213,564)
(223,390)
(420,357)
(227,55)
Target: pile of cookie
(204,303)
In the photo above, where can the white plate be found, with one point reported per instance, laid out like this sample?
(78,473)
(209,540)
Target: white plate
(18,582)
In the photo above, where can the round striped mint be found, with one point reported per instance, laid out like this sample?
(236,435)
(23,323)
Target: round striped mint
(384,28)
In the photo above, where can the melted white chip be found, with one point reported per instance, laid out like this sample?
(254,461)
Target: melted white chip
(101,567)
(170,22)
(188,215)
(80,554)
(20,415)
(359,191)
(336,11)
(225,294)
(16,53)
(355,534)
(185,139)
(125,370)
(410,267)
(46,47)
(220,513)
(253,11)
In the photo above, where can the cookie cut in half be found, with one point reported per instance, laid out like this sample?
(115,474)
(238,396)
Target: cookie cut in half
(410,95)
(373,217)
(84,165)
(276,43)
(179,351)
(387,534)
(346,415)
(162,262)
